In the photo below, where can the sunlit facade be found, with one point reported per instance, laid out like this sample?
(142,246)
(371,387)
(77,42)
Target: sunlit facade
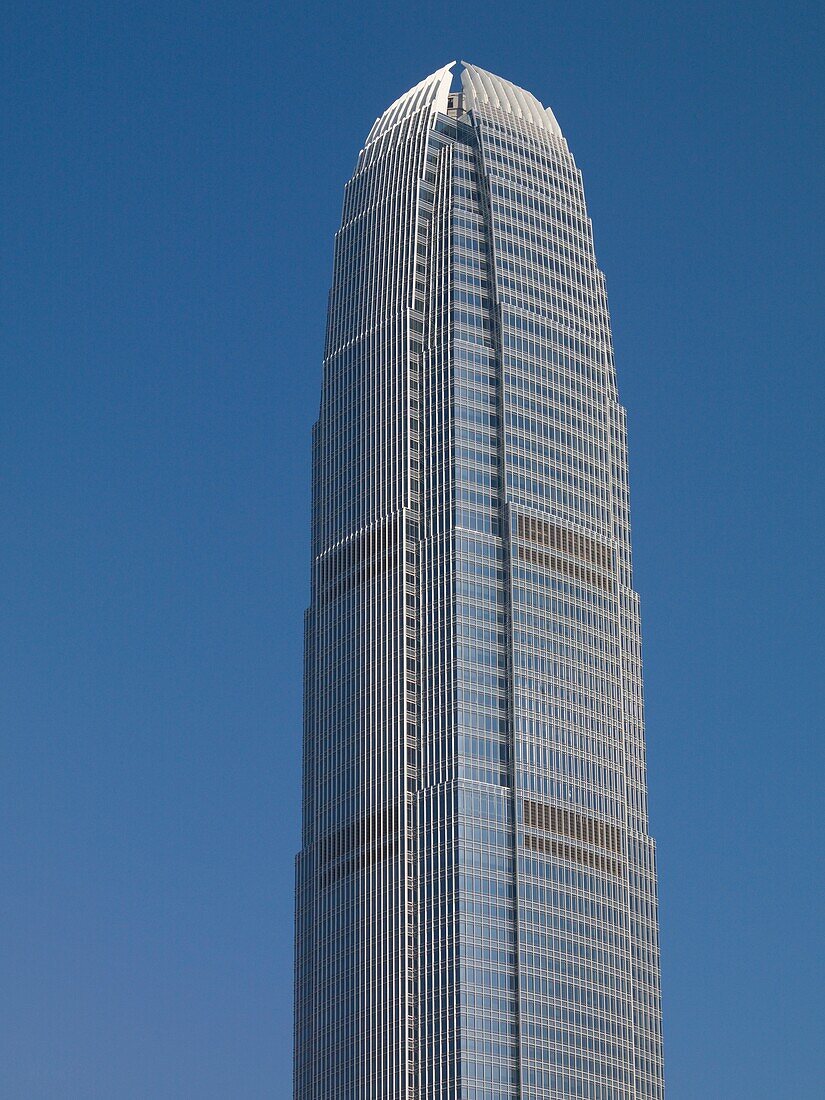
(476,890)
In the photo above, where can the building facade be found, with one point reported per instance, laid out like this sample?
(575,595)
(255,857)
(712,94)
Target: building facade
(476,890)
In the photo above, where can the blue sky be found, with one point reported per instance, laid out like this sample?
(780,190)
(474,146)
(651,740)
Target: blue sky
(171,182)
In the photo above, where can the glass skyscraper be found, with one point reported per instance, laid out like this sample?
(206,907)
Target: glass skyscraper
(476,889)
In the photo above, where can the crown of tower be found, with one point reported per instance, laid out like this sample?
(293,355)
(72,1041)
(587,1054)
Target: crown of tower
(479,89)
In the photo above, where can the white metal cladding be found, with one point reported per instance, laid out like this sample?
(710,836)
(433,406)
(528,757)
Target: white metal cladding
(482,89)
(476,891)
(431,93)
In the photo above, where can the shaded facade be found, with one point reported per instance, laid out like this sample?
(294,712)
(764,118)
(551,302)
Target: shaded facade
(476,889)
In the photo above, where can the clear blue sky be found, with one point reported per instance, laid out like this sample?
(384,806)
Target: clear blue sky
(171,182)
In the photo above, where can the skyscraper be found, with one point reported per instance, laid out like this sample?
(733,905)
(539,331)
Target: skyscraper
(476,889)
